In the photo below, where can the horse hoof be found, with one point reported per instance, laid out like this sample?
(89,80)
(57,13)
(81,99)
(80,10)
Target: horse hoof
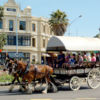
(10,90)
(55,90)
(29,92)
(19,90)
(44,92)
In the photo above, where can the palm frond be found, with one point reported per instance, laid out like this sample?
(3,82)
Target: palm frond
(58,22)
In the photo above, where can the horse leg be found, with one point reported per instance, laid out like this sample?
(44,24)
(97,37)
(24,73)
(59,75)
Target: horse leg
(23,87)
(46,88)
(54,87)
(12,85)
(18,80)
(30,88)
(40,85)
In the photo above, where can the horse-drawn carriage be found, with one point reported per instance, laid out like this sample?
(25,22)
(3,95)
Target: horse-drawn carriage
(87,71)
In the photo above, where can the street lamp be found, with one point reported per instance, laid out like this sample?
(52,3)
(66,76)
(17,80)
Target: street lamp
(17,16)
(73,22)
(16,36)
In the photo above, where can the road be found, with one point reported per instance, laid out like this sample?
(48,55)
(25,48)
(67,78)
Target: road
(64,93)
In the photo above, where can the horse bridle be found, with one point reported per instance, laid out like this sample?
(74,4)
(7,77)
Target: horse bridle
(10,66)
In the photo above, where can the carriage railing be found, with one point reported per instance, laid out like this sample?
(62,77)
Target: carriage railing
(77,69)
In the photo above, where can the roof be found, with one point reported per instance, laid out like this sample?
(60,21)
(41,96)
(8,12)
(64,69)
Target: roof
(66,43)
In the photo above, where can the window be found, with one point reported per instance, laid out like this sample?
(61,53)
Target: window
(33,27)
(22,25)
(22,40)
(11,9)
(43,28)
(27,55)
(1,24)
(33,59)
(33,42)
(11,40)
(43,43)
(10,25)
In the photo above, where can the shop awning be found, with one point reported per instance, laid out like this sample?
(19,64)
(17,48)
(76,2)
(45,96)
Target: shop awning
(65,43)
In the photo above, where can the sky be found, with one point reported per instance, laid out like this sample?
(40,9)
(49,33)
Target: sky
(87,26)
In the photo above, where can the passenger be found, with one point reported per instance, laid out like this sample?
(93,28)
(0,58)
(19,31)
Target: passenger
(80,58)
(67,58)
(72,60)
(97,57)
(89,57)
(85,57)
(7,56)
(93,58)
(60,59)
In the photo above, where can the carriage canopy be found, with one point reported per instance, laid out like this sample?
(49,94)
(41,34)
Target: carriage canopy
(65,43)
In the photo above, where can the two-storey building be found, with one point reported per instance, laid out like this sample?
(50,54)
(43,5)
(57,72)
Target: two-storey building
(33,33)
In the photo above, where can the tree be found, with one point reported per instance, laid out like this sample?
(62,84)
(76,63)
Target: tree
(97,36)
(3,38)
(1,12)
(58,22)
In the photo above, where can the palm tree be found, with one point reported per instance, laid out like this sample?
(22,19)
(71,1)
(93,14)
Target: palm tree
(98,35)
(58,22)
(1,12)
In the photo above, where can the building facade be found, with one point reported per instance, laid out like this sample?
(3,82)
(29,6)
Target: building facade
(33,33)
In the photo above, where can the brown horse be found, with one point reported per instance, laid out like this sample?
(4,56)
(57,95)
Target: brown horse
(35,72)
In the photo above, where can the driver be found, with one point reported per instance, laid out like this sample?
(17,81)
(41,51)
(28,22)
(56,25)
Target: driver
(60,59)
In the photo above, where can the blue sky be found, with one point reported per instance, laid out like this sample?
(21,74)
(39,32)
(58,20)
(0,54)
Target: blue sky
(88,25)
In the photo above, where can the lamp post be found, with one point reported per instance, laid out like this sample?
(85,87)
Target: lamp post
(16,37)
(73,22)
(17,16)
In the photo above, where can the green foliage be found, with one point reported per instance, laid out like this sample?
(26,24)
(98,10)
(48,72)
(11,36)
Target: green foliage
(58,22)
(97,36)
(1,12)
(3,38)
(6,78)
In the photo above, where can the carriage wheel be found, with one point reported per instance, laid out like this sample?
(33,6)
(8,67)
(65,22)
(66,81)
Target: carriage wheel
(93,79)
(74,83)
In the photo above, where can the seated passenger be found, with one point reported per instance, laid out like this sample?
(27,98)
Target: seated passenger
(80,58)
(88,57)
(84,57)
(67,58)
(72,60)
(93,58)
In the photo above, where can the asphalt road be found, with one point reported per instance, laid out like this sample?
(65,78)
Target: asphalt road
(64,93)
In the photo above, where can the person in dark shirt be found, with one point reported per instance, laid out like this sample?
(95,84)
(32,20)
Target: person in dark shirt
(27,66)
(60,59)
(7,56)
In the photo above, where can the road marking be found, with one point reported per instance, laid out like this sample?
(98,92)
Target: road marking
(87,98)
(41,99)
